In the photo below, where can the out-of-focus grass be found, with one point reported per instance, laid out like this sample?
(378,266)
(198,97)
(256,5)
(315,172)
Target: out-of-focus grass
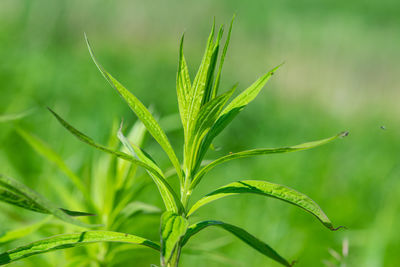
(341,73)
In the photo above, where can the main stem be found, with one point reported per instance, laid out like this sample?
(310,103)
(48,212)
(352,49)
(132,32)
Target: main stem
(174,262)
(185,195)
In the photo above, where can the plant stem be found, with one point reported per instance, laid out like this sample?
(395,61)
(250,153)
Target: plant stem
(174,262)
(185,193)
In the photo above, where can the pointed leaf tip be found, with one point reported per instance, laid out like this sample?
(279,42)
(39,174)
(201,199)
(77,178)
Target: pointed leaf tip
(339,227)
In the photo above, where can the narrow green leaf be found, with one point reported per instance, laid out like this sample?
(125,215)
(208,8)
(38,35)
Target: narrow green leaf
(29,204)
(221,63)
(86,139)
(183,85)
(142,113)
(72,240)
(20,201)
(42,148)
(250,93)
(211,69)
(262,151)
(22,231)
(243,235)
(266,189)
(168,195)
(199,84)
(173,227)
(18,194)
(74,213)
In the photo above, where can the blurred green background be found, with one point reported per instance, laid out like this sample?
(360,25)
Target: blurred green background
(341,72)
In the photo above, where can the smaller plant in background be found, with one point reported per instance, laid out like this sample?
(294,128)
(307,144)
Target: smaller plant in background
(338,259)
(108,187)
(204,114)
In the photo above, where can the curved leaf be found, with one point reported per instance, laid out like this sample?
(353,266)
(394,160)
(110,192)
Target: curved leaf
(141,112)
(262,151)
(72,240)
(86,139)
(168,195)
(173,227)
(18,194)
(243,235)
(266,189)
(250,93)
(26,203)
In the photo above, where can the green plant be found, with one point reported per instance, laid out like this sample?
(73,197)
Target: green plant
(204,114)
